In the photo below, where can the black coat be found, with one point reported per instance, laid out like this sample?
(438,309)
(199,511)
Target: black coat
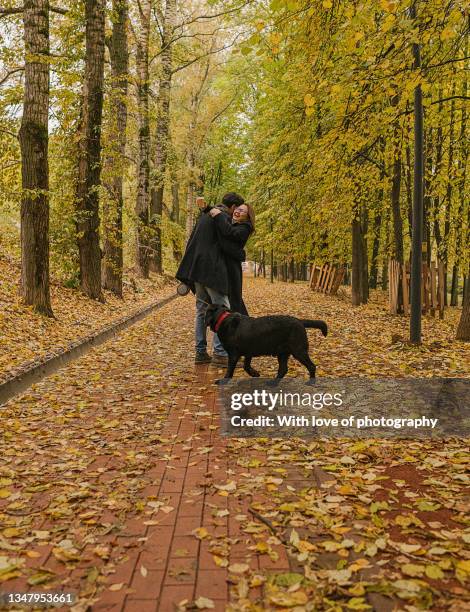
(203,260)
(233,237)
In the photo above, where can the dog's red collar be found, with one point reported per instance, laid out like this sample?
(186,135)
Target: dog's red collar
(220,320)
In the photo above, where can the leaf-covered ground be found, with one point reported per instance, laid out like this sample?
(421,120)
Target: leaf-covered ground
(115,483)
(26,337)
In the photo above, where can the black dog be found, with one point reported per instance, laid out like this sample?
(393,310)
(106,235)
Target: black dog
(276,335)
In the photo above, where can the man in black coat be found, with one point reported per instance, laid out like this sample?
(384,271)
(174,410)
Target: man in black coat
(203,268)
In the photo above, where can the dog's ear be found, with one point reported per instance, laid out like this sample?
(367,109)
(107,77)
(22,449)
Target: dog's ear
(211,314)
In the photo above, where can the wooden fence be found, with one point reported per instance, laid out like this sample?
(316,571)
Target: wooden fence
(432,287)
(326,278)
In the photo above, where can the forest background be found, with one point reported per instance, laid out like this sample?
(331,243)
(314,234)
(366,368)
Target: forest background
(115,115)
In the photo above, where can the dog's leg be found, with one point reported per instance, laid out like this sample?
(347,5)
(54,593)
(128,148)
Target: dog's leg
(232,364)
(282,370)
(282,360)
(248,369)
(305,360)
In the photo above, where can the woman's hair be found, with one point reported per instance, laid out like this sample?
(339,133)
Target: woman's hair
(251,216)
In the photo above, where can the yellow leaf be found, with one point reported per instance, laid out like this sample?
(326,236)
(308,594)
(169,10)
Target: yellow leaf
(358,603)
(411,569)
(463,566)
(4,493)
(200,533)
(288,600)
(357,589)
(33,554)
(434,572)
(387,5)
(305,546)
(309,100)
(238,568)
(40,578)
(204,603)
(11,532)
(116,587)
(220,561)
(262,547)
(257,580)
(346,490)
(359,564)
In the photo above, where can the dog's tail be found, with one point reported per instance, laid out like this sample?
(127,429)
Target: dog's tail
(317,324)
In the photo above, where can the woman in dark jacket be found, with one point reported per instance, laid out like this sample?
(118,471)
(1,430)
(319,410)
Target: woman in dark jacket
(233,235)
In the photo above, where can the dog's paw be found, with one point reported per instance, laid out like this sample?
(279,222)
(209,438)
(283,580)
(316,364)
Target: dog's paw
(222,381)
(311,382)
(253,372)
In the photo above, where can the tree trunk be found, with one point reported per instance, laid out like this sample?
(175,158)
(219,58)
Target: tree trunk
(189,210)
(364,255)
(427,210)
(113,256)
(175,197)
(161,137)
(448,200)
(416,249)
(396,209)
(462,164)
(360,282)
(409,187)
(463,330)
(454,286)
(142,207)
(34,159)
(89,163)
(291,271)
(374,268)
(395,199)
(385,254)
(356,271)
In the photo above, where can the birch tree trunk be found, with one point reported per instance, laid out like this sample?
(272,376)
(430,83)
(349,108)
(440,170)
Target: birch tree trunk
(119,55)
(142,208)
(33,138)
(161,138)
(89,164)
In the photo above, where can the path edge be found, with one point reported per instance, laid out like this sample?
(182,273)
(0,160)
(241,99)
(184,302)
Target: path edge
(18,384)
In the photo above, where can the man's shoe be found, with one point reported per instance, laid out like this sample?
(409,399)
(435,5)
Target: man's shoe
(202,357)
(219,360)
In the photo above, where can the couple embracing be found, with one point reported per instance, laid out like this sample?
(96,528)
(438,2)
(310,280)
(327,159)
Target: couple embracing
(212,265)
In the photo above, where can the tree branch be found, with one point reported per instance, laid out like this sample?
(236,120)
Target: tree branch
(12,134)
(213,16)
(59,10)
(5,12)
(9,73)
(450,98)
(451,61)
(196,59)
